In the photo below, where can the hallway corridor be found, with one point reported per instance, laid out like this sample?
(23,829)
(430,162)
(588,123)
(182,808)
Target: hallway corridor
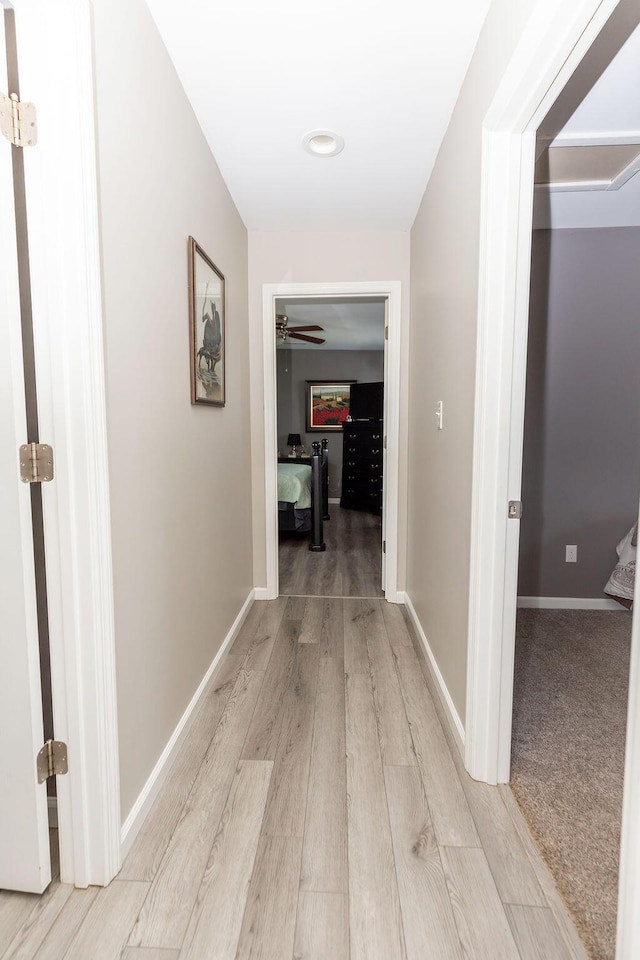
(351,566)
(317,810)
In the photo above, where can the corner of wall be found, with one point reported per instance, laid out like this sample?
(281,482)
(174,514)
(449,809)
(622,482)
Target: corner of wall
(453,718)
(142,806)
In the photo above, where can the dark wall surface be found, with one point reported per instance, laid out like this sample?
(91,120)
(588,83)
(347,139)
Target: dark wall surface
(581,469)
(294,367)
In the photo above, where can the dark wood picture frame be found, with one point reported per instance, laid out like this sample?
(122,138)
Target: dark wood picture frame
(206,328)
(327,401)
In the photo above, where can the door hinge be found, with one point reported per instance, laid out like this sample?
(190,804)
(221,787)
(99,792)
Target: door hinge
(515,509)
(18,121)
(36,463)
(386,333)
(385,443)
(52,760)
(384,546)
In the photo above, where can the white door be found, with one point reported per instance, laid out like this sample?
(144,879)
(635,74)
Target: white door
(25,862)
(383,584)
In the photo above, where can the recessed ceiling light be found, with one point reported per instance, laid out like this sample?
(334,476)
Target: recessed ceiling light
(323,143)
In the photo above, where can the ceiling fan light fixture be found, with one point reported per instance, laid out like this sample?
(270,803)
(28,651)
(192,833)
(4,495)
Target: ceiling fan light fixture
(285,333)
(281,326)
(323,143)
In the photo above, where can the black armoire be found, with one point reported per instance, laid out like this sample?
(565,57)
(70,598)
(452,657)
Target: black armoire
(362,465)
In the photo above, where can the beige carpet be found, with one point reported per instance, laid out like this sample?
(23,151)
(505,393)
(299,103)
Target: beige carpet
(570,706)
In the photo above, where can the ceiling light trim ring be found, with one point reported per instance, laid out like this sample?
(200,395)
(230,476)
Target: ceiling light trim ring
(323,143)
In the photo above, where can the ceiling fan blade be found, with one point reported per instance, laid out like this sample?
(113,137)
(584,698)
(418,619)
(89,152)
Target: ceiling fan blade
(298,329)
(303,336)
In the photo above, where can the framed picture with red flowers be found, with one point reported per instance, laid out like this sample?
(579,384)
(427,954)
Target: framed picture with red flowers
(327,404)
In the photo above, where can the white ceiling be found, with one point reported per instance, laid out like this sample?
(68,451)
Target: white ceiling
(603,101)
(383,75)
(354,324)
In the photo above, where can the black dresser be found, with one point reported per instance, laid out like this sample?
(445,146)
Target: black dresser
(362,465)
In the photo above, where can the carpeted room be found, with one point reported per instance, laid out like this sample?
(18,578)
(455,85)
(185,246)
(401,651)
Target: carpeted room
(570,696)
(581,485)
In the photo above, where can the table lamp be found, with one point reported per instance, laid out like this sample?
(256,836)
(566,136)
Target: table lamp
(294,441)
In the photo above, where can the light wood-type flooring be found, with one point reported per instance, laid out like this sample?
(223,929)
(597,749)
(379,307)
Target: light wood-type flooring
(351,566)
(317,809)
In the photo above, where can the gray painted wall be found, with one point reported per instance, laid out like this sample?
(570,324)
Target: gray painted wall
(581,469)
(445,244)
(296,366)
(182,556)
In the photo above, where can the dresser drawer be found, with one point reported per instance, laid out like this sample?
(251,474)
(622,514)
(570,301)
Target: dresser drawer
(362,459)
(363,466)
(363,484)
(372,502)
(365,440)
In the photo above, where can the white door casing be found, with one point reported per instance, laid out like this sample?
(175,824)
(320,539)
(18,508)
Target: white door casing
(391,290)
(55,51)
(25,860)
(385,377)
(553,44)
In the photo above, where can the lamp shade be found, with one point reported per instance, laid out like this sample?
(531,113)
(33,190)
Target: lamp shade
(294,440)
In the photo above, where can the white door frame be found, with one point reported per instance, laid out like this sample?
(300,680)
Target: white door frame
(554,42)
(391,289)
(56,72)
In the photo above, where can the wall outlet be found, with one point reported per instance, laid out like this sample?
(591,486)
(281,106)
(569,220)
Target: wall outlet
(439,414)
(571,553)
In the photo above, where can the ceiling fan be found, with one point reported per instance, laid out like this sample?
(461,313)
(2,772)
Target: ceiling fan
(285,332)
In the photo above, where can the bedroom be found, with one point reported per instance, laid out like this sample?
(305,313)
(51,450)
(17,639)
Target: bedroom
(331,344)
(581,483)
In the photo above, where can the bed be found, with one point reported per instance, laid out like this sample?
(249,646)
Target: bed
(294,496)
(303,495)
(620,585)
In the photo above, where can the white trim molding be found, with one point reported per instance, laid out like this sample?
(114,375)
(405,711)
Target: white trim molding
(142,806)
(568,603)
(55,53)
(452,715)
(555,40)
(391,290)
(593,140)
(619,138)
(628,932)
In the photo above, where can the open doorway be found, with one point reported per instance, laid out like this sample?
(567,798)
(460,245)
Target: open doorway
(581,484)
(330,387)
(498,498)
(387,295)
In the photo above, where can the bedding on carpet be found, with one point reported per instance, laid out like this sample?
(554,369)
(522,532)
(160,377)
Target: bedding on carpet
(621,583)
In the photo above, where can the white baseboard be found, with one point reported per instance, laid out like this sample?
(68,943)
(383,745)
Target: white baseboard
(401,597)
(261,593)
(568,603)
(451,713)
(149,792)
(334,500)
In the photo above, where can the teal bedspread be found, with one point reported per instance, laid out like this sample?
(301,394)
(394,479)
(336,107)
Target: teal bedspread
(294,484)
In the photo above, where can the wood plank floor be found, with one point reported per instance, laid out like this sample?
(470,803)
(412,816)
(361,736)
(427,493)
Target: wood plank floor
(318,811)
(351,566)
